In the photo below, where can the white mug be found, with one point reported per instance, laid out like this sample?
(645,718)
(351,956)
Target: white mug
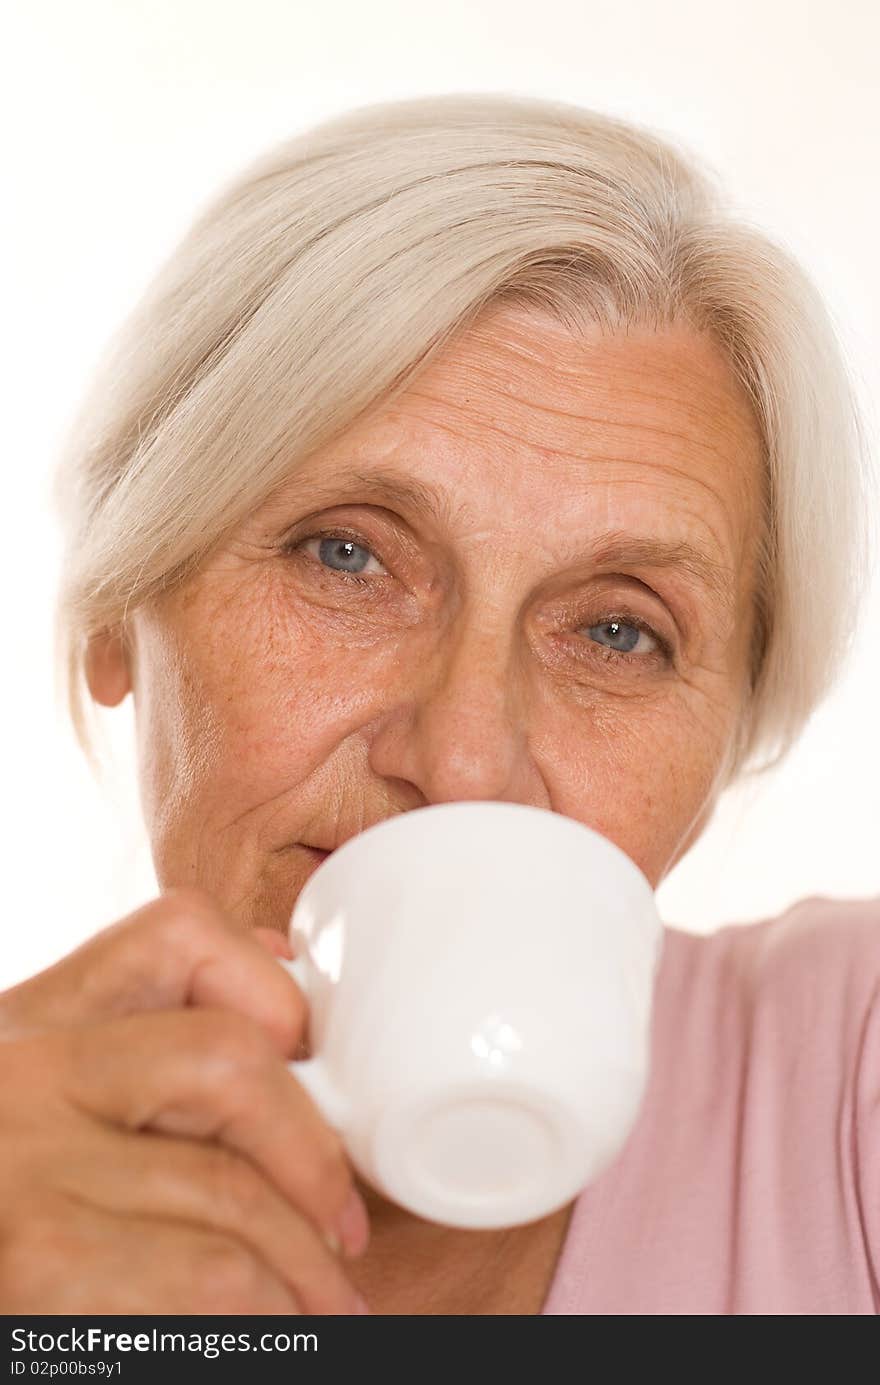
(480,979)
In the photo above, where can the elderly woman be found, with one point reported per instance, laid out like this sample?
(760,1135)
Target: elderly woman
(465,449)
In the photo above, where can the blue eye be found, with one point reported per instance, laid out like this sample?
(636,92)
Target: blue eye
(339,553)
(622,636)
(351,556)
(347,556)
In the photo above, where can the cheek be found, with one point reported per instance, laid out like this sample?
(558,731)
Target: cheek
(642,771)
(178,734)
(242,699)
(293,693)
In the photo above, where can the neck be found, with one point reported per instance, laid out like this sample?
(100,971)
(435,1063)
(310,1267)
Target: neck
(414,1267)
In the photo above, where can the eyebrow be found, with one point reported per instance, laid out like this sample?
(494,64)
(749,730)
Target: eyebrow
(614,546)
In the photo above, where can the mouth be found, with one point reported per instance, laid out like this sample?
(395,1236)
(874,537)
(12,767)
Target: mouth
(317,851)
(308,858)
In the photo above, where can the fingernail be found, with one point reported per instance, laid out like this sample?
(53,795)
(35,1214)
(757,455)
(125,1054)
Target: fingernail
(354,1224)
(360,1306)
(332,1241)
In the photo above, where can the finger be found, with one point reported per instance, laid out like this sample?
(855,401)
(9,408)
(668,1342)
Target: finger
(273,941)
(81,1260)
(204,1185)
(208,1075)
(180,949)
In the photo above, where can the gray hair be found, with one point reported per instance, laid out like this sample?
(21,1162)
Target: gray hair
(327,274)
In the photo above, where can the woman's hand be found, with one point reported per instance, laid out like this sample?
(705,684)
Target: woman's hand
(156,1156)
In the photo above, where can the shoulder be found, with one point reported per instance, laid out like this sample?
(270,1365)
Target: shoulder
(819,926)
(818,947)
(801,980)
(769,1044)
(814,938)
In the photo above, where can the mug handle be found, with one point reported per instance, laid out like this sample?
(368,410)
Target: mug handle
(312,1073)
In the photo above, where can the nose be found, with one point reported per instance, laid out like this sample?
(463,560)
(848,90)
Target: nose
(457,726)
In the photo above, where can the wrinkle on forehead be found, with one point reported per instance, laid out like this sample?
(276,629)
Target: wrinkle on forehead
(663,399)
(675,386)
(645,430)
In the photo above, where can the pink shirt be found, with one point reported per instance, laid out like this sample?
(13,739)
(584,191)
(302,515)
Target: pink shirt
(751,1180)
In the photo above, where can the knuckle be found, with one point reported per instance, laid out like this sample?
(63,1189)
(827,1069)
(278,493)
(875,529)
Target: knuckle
(228,1277)
(185,915)
(137,950)
(235,1055)
(235,1189)
(237,1045)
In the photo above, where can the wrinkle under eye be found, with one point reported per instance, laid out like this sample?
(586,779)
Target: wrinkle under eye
(348,555)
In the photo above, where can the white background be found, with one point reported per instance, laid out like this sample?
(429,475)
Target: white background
(123,117)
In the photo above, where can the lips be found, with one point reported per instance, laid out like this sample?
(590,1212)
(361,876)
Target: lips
(309,859)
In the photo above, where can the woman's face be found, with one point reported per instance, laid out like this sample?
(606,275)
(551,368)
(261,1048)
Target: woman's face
(537,587)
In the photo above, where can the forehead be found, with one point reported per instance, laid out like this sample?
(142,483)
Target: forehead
(640,428)
(636,394)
